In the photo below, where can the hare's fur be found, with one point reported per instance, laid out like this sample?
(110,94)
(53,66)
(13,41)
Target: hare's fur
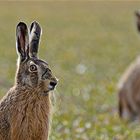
(25,111)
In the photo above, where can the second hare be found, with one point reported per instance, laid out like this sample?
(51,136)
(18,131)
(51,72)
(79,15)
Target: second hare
(129,88)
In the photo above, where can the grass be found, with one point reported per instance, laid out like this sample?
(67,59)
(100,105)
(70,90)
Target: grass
(88,45)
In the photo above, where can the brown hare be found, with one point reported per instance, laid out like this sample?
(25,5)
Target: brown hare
(25,111)
(129,88)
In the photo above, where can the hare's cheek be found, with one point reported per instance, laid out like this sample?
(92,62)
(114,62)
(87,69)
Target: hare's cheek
(34,79)
(46,84)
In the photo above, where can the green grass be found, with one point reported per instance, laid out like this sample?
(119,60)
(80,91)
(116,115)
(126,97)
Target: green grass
(99,37)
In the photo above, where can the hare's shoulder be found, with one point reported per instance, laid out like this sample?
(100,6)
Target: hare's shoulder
(5,107)
(7,99)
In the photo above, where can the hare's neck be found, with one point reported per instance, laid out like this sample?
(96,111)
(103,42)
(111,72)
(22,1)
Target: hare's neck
(31,93)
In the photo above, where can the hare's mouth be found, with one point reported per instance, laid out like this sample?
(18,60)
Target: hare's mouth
(51,87)
(46,92)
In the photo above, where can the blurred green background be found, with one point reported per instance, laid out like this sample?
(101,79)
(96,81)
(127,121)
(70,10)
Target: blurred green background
(88,46)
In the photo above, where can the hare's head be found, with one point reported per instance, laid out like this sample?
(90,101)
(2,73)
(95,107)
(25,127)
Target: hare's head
(137,13)
(32,71)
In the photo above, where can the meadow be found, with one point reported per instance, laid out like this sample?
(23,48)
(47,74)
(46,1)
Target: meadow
(88,46)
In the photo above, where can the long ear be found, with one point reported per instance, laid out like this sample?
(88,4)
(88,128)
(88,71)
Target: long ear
(35,32)
(137,13)
(22,40)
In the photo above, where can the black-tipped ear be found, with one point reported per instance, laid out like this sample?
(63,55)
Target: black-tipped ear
(22,40)
(35,32)
(137,13)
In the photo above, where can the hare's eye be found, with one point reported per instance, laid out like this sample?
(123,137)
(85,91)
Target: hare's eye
(33,68)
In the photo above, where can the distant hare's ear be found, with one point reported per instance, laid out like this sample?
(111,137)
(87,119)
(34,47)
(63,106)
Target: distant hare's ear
(137,13)
(22,40)
(35,32)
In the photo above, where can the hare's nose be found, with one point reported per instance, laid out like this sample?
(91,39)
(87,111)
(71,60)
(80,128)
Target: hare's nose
(53,83)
